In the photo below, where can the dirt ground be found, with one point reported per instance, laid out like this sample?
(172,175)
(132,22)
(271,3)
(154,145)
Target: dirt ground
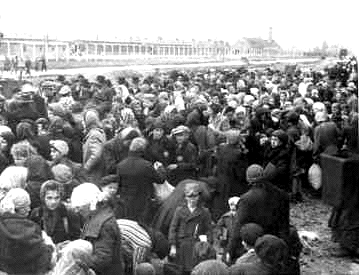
(312,215)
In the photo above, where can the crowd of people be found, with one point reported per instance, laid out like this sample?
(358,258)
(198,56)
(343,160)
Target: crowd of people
(176,172)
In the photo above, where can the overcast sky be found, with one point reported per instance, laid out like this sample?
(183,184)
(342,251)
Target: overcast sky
(302,23)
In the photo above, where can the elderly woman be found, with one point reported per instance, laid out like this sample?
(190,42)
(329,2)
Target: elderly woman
(7,139)
(75,258)
(22,150)
(12,177)
(59,223)
(191,223)
(100,229)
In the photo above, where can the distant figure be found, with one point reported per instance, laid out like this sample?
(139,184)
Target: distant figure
(43,64)
(28,67)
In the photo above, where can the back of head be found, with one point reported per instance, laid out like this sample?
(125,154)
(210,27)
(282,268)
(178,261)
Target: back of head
(210,267)
(138,144)
(145,269)
(254,173)
(250,232)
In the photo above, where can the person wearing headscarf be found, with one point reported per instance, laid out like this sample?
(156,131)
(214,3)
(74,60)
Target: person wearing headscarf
(136,177)
(100,229)
(210,267)
(191,222)
(93,146)
(64,175)
(21,151)
(39,172)
(263,204)
(59,223)
(24,248)
(75,257)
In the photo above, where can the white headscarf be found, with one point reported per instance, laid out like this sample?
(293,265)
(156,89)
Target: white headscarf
(86,194)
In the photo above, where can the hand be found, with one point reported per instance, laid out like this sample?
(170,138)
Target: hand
(173,251)
(172,166)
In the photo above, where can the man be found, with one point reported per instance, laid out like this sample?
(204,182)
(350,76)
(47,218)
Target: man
(137,176)
(265,205)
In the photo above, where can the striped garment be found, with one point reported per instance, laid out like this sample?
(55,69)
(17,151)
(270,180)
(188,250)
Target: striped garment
(135,240)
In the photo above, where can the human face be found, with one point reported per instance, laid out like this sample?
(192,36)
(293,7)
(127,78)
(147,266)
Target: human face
(181,138)
(157,133)
(83,210)
(3,144)
(275,142)
(110,190)
(192,200)
(233,206)
(24,210)
(54,154)
(19,160)
(52,199)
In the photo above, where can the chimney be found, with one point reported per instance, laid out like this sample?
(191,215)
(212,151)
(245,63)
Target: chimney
(270,39)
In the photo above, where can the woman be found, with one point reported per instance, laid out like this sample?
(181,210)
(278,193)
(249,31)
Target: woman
(191,223)
(58,222)
(6,141)
(100,229)
(21,151)
(12,177)
(74,259)
(24,250)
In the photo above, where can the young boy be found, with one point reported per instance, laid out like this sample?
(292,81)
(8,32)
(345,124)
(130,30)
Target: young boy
(250,232)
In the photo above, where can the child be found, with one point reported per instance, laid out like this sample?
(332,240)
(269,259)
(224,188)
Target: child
(250,232)
(225,223)
(191,223)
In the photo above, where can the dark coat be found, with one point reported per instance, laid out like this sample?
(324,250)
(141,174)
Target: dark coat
(66,227)
(266,205)
(184,231)
(137,176)
(186,158)
(161,150)
(276,165)
(113,152)
(103,232)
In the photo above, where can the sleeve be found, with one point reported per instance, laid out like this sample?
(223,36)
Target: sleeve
(95,147)
(172,234)
(103,248)
(154,176)
(109,161)
(207,225)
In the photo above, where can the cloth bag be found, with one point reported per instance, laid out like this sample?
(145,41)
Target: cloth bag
(315,176)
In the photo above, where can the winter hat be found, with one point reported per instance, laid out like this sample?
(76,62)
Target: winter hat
(210,267)
(13,177)
(145,269)
(271,250)
(86,194)
(234,200)
(318,107)
(250,232)
(15,199)
(60,146)
(62,173)
(91,118)
(281,135)
(321,117)
(138,144)
(254,173)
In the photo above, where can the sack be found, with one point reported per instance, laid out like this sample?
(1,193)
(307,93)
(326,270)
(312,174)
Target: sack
(163,190)
(315,176)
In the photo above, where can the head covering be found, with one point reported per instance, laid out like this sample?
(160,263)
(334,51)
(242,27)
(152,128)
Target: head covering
(39,169)
(91,118)
(234,200)
(191,188)
(210,267)
(5,129)
(15,199)
(254,173)
(50,185)
(24,130)
(179,130)
(250,232)
(271,250)
(282,136)
(321,117)
(74,257)
(86,194)
(145,269)
(318,107)
(65,90)
(62,173)
(129,133)
(138,144)
(60,145)
(13,177)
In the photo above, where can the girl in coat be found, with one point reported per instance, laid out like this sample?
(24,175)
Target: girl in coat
(191,223)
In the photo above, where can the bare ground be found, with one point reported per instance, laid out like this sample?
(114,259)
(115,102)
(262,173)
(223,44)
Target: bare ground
(313,215)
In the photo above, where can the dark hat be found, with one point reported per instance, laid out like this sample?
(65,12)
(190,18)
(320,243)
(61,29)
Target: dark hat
(60,78)
(283,137)
(250,232)
(108,180)
(254,173)
(100,79)
(158,124)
